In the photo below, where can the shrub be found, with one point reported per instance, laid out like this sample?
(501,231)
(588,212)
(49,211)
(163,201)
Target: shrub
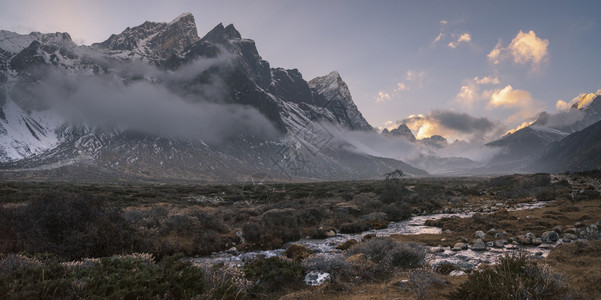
(129,277)
(297,252)
(272,273)
(70,226)
(514,277)
(336,265)
(390,253)
(420,280)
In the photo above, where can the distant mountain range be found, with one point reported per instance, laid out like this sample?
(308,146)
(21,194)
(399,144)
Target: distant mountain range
(252,118)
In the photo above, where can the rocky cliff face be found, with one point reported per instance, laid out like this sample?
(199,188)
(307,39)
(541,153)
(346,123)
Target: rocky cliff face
(221,68)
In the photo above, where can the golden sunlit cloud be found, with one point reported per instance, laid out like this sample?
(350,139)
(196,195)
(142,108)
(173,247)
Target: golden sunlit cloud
(450,124)
(470,91)
(527,47)
(524,48)
(510,98)
(438,37)
(464,38)
(443,22)
(562,106)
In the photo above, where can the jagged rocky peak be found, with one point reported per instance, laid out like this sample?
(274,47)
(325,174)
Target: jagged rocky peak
(332,91)
(155,38)
(436,141)
(220,34)
(586,100)
(401,131)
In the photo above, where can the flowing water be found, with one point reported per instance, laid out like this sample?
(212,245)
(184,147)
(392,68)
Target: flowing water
(466,259)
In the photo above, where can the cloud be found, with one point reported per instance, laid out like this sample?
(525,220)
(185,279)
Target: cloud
(487,80)
(142,98)
(382,97)
(515,99)
(450,124)
(510,98)
(562,106)
(438,37)
(525,48)
(464,38)
(412,78)
(471,92)
(495,54)
(443,22)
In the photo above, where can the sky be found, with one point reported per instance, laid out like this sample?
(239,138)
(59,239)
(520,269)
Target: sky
(462,69)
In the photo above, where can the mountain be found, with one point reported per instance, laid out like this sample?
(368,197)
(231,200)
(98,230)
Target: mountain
(580,151)
(188,108)
(401,131)
(518,150)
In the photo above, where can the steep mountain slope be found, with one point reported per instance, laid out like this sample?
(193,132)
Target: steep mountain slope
(220,72)
(580,151)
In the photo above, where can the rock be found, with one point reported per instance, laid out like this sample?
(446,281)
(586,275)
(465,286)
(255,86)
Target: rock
(459,246)
(489,244)
(478,245)
(526,239)
(590,231)
(498,244)
(316,278)
(436,249)
(549,237)
(500,204)
(480,234)
(499,235)
(569,237)
(232,251)
(537,241)
(492,231)
(368,236)
(457,273)
(571,230)
(297,252)
(346,245)
(558,229)
(330,233)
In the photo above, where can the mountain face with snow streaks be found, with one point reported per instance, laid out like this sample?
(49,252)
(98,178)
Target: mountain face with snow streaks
(221,73)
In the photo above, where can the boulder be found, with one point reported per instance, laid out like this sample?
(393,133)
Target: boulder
(569,237)
(316,278)
(480,234)
(498,244)
(478,245)
(456,273)
(459,246)
(558,229)
(549,237)
(589,231)
(348,244)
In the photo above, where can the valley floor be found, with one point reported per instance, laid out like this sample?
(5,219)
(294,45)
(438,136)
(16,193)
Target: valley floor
(64,240)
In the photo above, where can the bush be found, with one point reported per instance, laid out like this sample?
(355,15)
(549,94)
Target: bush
(336,265)
(272,273)
(129,277)
(514,277)
(420,280)
(389,253)
(70,226)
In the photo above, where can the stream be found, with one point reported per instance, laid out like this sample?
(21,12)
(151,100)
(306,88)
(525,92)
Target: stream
(465,259)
